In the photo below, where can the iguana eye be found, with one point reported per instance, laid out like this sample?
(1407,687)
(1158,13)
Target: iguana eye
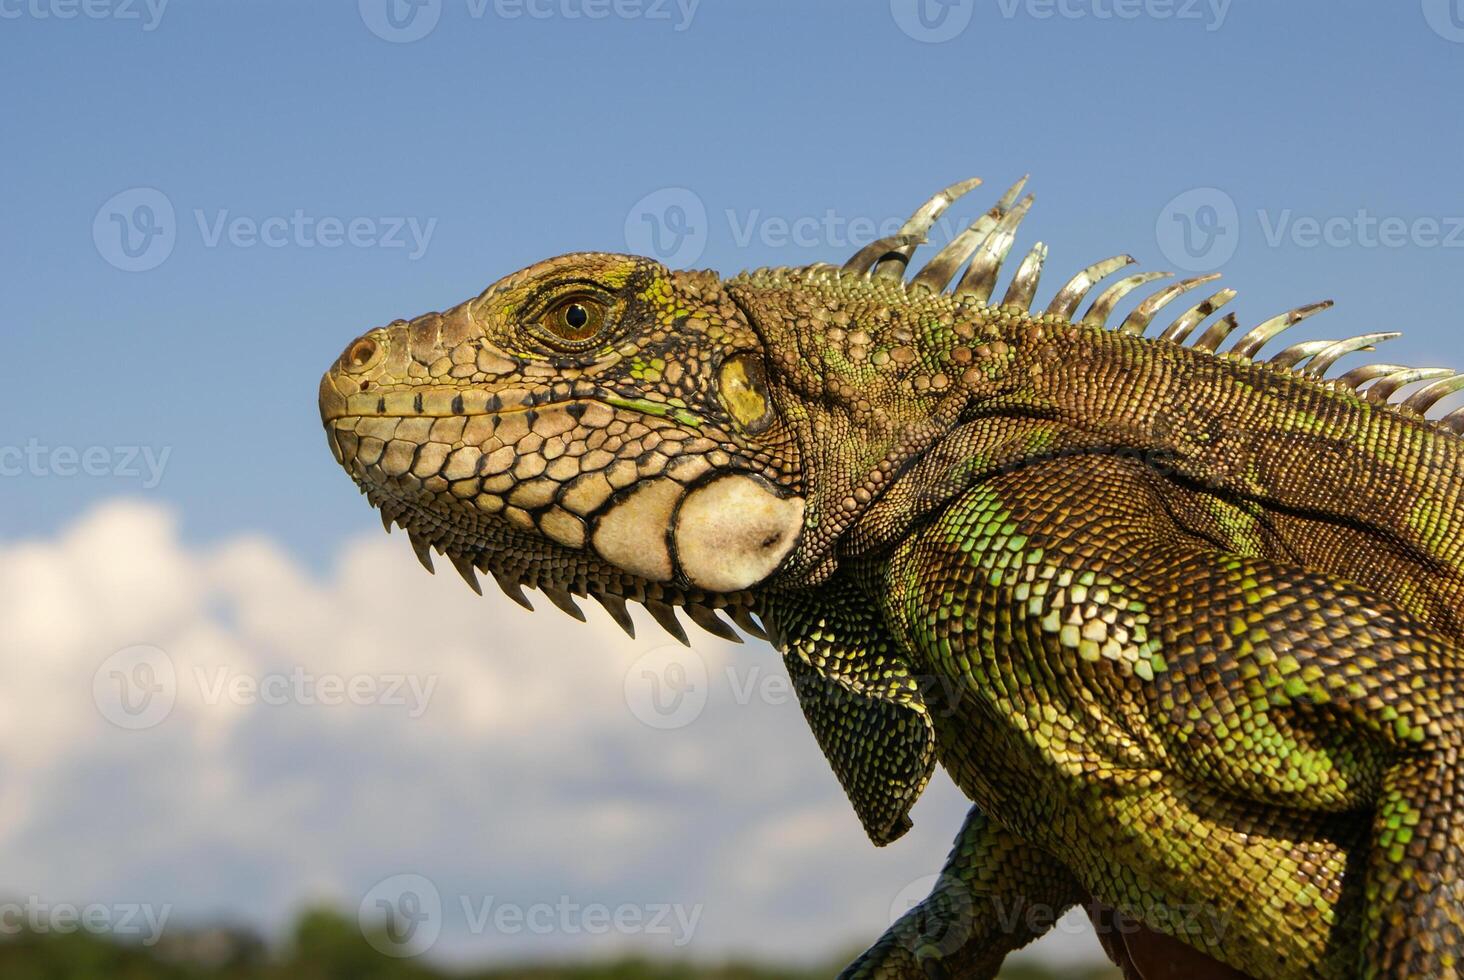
(574,319)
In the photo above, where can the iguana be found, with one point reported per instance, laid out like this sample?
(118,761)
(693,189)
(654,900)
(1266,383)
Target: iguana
(1184,624)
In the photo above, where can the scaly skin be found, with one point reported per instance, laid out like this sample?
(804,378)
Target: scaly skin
(1183,625)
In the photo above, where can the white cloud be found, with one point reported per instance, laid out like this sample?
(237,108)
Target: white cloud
(499,753)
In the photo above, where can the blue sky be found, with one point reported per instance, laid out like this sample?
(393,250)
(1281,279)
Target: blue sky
(514,138)
(203,202)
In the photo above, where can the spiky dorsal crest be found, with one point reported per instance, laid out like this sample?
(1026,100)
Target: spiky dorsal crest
(982,248)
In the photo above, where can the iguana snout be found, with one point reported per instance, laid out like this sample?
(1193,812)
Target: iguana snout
(593,424)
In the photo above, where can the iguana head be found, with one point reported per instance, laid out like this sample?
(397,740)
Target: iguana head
(594,424)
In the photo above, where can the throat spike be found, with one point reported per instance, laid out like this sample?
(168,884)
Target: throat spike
(745,622)
(615,606)
(708,620)
(564,601)
(467,571)
(422,549)
(514,590)
(666,616)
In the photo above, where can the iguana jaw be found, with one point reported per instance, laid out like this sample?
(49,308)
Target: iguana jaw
(611,530)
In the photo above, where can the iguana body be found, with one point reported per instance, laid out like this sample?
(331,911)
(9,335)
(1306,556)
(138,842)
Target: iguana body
(1183,625)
